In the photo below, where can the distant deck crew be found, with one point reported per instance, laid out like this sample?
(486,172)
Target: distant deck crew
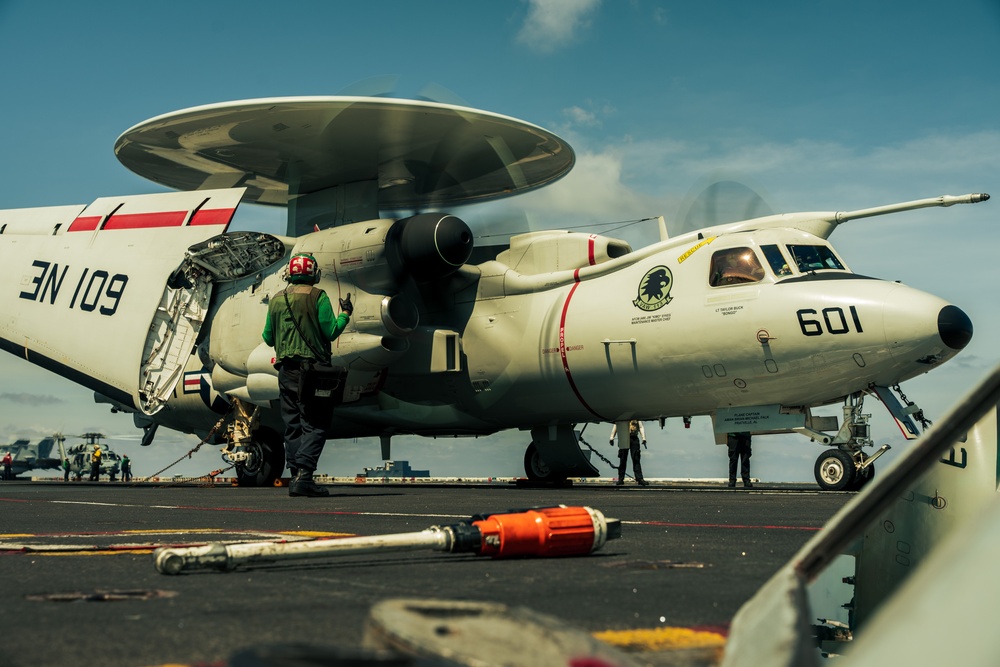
(739,454)
(95,465)
(636,435)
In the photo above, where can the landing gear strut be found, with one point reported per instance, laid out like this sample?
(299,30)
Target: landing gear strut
(847,467)
(257,453)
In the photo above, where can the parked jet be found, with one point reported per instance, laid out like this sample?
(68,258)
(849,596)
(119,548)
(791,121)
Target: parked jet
(42,455)
(752,322)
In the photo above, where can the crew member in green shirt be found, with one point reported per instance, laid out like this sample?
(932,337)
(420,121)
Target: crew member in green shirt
(300,325)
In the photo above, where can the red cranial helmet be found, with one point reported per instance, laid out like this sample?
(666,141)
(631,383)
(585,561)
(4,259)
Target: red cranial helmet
(302,268)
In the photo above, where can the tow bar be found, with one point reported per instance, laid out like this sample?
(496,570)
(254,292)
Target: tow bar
(545,532)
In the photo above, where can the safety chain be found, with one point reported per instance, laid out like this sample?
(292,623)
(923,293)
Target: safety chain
(925,423)
(601,456)
(211,478)
(214,473)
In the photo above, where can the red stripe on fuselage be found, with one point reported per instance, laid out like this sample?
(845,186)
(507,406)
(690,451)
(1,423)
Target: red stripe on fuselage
(146,220)
(201,217)
(87,224)
(562,348)
(590,250)
(213,216)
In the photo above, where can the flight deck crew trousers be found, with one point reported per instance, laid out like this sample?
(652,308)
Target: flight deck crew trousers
(305,417)
(633,448)
(739,454)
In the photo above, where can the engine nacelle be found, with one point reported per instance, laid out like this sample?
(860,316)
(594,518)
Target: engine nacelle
(428,246)
(378,255)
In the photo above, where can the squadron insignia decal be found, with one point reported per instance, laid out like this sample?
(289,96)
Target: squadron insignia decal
(654,289)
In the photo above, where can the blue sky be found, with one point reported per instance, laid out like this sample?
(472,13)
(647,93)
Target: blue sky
(819,105)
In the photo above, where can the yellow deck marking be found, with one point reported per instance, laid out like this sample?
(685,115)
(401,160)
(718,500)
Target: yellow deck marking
(661,639)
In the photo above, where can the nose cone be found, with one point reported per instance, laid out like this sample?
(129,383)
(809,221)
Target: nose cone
(923,329)
(955,327)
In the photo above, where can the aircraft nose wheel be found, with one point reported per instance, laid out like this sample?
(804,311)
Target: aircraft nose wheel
(835,470)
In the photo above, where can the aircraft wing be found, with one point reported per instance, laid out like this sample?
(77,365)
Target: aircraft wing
(80,281)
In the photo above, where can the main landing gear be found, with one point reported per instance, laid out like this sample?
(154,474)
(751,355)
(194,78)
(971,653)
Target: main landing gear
(554,454)
(257,453)
(846,467)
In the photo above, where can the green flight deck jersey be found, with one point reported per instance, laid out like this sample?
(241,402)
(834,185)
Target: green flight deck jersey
(310,306)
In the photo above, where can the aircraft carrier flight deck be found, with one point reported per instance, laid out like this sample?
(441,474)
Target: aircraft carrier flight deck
(78,583)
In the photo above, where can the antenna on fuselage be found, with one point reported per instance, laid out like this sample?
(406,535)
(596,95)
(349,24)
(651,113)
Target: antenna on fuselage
(663,227)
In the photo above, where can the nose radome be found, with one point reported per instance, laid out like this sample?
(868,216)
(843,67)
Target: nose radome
(955,327)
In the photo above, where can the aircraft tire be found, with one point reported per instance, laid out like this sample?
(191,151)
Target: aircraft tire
(835,470)
(534,467)
(266,462)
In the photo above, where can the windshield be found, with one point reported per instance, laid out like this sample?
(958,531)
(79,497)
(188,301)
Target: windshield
(735,266)
(814,258)
(777,261)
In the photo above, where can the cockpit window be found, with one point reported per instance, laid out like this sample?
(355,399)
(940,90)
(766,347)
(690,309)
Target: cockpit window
(814,258)
(777,261)
(735,266)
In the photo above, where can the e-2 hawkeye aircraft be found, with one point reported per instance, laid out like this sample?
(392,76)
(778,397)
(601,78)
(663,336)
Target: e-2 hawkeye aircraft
(149,302)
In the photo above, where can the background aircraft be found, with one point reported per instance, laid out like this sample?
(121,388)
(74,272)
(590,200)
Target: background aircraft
(48,453)
(45,454)
(80,456)
(752,322)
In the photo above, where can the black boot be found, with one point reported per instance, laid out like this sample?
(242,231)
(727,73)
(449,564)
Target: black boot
(303,485)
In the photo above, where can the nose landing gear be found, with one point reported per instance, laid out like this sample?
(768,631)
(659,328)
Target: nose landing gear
(847,467)
(846,470)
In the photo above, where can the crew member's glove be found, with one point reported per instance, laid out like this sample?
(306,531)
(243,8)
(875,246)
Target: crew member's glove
(346,305)
(644,444)
(611,442)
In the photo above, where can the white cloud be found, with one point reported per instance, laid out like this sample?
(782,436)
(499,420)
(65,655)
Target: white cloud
(580,116)
(30,399)
(552,24)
